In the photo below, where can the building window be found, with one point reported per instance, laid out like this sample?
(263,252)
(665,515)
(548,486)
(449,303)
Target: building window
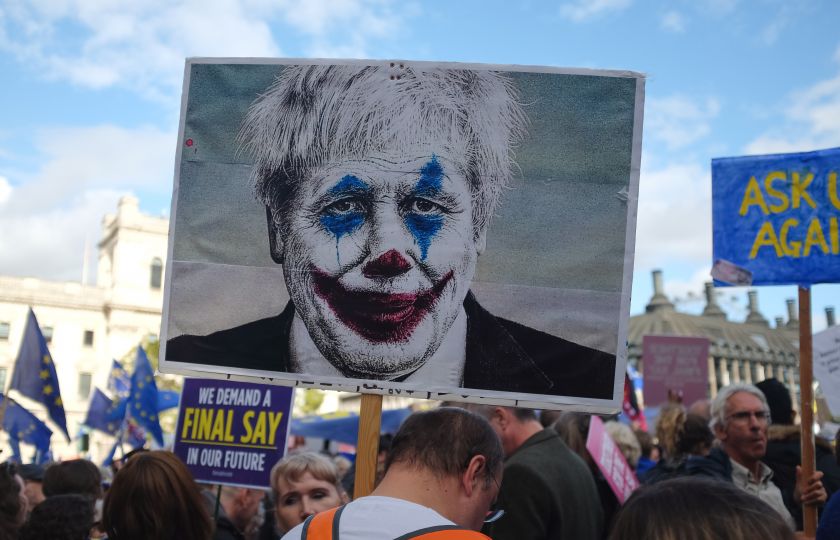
(47,331)
(88,341)
(4,331)
(156,273)
(84,385)
(3,372)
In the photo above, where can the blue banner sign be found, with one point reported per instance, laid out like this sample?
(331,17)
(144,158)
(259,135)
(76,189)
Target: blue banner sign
(775,219)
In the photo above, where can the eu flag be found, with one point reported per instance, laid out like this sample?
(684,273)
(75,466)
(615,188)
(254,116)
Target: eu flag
(23,426)
(167,399)
(143,399)
(119,383)
(105,414)
(35,375)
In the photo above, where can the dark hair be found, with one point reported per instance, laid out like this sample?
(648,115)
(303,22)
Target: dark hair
(694,438)
(778,399)
(10,501)
(78,476)
(61,517)
(444,440)
(645,442)
(154,496)
(692,508)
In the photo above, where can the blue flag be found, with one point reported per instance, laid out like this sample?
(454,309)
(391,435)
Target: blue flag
(105,414)
(119,383)
(167,399)
(35,376)
(23,426)
(143,399)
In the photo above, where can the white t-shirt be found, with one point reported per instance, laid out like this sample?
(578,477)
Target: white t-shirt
(386,518)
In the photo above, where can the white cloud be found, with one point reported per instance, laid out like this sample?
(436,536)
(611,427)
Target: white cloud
(673,21)
(811,121)
(674,221)
(678,121)
(142,45)
(84,173)
(5,190)
(583,10)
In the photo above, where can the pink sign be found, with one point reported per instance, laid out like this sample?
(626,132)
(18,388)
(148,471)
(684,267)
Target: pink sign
(610,460)
(678,364)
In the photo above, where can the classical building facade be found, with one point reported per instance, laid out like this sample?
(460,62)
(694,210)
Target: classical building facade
(89,325)
(748,351)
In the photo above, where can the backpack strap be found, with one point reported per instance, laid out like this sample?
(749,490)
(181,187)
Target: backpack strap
(322,526)
(444,532)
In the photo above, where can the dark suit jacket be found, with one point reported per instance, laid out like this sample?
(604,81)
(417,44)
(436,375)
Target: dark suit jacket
(548,493)
(500,354)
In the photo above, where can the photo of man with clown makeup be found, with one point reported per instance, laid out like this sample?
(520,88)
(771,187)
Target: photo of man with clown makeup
(379,186)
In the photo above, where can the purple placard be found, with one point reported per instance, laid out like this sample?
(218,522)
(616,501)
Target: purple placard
(675,363)
(232,432)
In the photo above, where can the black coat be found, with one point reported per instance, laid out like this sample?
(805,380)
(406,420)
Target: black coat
(500,354)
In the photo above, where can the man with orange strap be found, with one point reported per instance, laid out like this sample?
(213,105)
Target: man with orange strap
(441,479)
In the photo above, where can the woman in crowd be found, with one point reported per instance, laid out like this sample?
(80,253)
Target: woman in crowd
(154,496)
(697,509)
(302,485)
(681,436)
(60,517)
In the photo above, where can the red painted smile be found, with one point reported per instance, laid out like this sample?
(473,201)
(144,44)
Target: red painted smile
(377,317)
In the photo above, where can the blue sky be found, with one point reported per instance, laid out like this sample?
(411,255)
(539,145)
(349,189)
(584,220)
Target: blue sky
(91,93)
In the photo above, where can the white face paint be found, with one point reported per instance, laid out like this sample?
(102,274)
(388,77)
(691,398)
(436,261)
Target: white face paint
(379,253)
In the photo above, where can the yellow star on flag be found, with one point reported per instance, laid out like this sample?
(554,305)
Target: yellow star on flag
(45,374)
(58,401)
(46,359)
(148,378)
(143,414)
(47,389)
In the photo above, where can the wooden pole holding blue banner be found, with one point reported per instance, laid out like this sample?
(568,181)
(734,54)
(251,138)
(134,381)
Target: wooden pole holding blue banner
(806,404)
(367,445)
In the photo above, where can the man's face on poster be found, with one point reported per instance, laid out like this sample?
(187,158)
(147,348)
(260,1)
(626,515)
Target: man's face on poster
(378,253)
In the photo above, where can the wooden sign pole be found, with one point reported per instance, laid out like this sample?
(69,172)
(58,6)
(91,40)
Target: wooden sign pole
(806,403)
(367,447)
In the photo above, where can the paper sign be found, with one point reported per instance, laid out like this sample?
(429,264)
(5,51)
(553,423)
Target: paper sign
(409,228)
(678,364)
(827,366)
(610,460)
(231,432)
(775,219)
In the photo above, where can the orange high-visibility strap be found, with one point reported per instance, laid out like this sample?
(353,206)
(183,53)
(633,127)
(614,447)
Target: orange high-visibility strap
(451,534)
(322,525)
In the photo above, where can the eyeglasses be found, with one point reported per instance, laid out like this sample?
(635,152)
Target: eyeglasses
(494,513)
(743,417)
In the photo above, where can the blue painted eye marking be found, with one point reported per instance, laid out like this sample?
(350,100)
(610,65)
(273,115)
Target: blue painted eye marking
(423,217)
(348,213)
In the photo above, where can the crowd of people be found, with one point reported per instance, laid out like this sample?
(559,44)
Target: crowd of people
(725,469)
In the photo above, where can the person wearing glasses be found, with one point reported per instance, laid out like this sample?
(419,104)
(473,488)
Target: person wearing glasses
(740,417)
(436,484)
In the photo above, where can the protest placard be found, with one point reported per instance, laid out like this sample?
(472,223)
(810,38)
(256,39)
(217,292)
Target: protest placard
(423,229)
(827,366)
(776,219)
(232,432)
(675,363)
(610,460)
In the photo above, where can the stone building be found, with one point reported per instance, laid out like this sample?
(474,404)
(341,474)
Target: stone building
(747,351)
(89,325)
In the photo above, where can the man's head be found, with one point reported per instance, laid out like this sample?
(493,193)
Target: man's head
(779,401)
(739,420)
(513,425)
(469,463)
(241,504)
(33,478)
(380,184)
